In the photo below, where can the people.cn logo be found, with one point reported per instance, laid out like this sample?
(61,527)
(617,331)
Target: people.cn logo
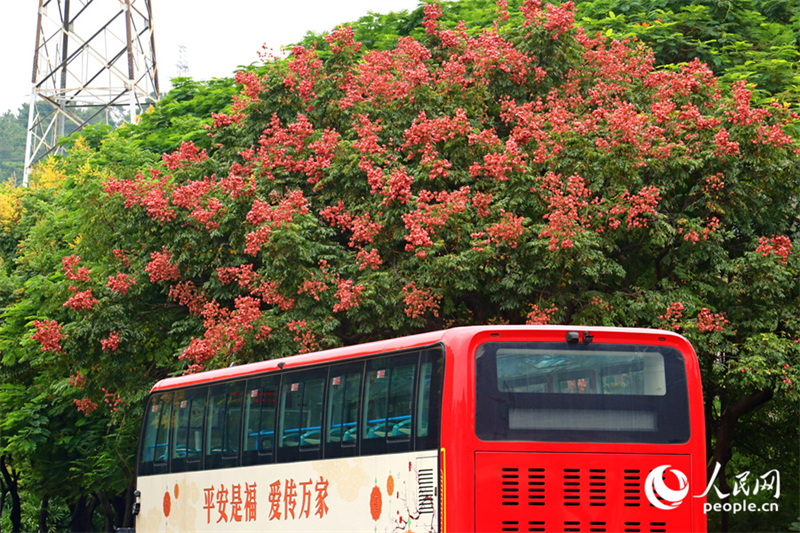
(662,496)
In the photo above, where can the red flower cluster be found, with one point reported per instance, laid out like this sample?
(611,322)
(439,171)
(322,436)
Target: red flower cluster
(305,68)
(341,39)
(303,335)
(197,197)
(566,202)
(419,300)
(508,230)
(184,156)
(112,400)
(86,406)
(48,334)
(348,295)
(81,300)
(371,259)
(673,313)
(539,316)
(433,210)
(72,271)
(111,343)
(78,380)
(780,245)
(120,283)
(150,194)
(362,227)
(161,267)
(708,322)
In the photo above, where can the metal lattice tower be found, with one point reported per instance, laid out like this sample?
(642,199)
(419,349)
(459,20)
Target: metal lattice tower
(94,61)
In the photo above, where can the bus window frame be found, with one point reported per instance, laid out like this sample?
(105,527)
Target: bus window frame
(300,452)
(186,464)
(388,443)
(154,467)
(343,448)
(212,461)
(258,455)
(435,354)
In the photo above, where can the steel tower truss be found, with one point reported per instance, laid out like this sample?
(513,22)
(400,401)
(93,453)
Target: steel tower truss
(94,61)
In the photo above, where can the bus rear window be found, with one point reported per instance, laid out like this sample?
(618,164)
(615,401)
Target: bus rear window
(587,393)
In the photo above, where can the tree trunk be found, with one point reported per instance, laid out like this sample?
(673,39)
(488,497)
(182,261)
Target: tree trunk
(127,514)
(723,448)
(11,479)
(82,513)
(2,495)
(44,512)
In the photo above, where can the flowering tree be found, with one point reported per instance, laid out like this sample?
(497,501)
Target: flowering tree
(522,173)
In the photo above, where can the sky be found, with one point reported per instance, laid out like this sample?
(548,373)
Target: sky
(217,35)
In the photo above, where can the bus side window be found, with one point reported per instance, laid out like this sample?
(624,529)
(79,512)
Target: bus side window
(154,451)
(187,439)
(224,425)
(344,393)
(300,418)
(429,399)
(423,401)
(259,431)
(388,404)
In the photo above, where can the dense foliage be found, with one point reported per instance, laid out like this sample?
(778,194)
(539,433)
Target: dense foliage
(519,171)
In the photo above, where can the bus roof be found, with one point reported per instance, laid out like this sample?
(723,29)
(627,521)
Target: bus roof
(382,346)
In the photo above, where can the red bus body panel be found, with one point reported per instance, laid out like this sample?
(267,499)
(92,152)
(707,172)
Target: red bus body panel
(533,486)
(473,497)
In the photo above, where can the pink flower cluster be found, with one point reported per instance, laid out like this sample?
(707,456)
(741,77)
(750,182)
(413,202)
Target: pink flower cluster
(539,316)
(150,194)
(72,271)
(86,406)
(341,39)
(112,400)
(433,210)
(121,283)
(184,156)
(81,300)
(161,267)
(363,229)
(304,335)
(78,380)
(673,314)
(708,322)
(111,343)
(420,300)
(780,245)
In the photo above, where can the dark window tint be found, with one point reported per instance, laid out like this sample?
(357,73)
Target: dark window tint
(588,393)
(260,414)
(389,391)
(154,451)
(344,394)
(379,405)
(187,439)
(224,424)
(300,419)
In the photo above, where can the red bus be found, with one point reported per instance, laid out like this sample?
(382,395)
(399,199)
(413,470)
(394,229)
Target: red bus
(485,428)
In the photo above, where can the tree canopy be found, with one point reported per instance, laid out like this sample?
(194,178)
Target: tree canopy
(523,170)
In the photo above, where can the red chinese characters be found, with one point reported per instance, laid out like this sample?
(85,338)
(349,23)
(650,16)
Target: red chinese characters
(235,503)
(288,499)
(285,497)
